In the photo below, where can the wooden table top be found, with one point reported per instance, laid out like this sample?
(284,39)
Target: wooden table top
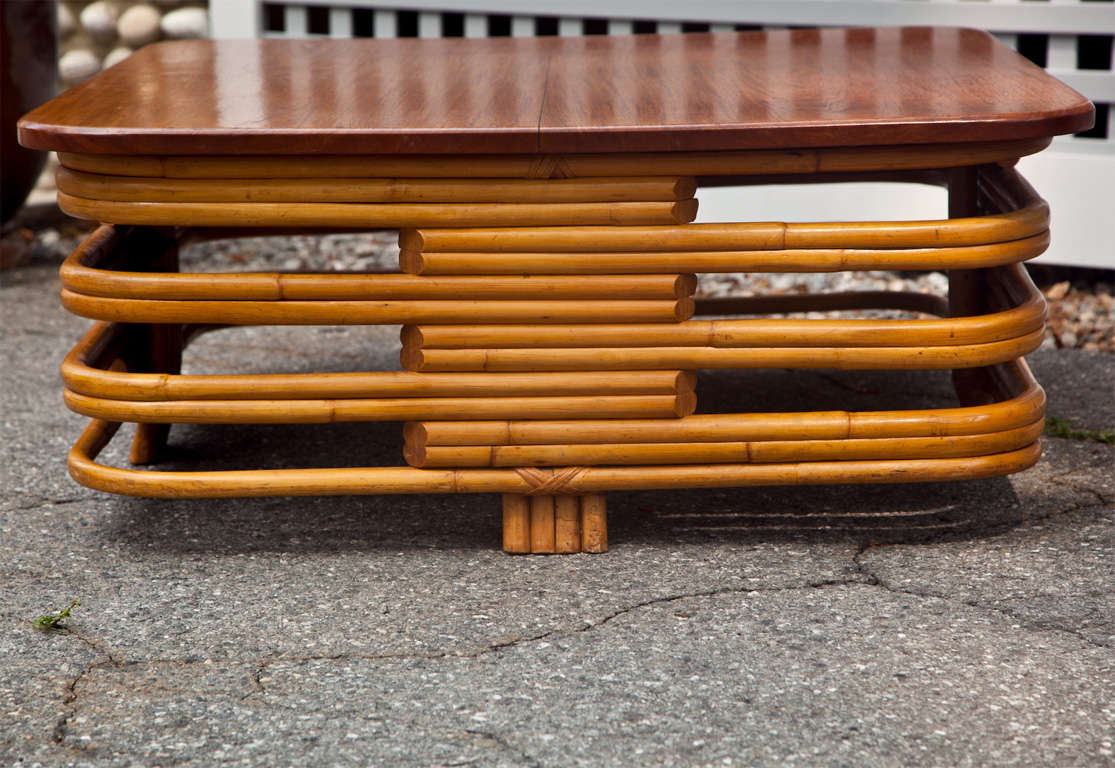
(639,93)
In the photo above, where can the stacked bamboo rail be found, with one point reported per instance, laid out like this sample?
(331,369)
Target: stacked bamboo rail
(550,337)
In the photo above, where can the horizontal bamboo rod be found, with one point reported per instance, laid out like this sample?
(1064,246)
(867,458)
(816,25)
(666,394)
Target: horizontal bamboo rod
(1029,219)
(356,190)
(263,411)
(774,451)
(376,312)
(732,333)
(1018,411)
(795,260)
(385,480)
(913,357)
(775,161)
(85,371)
(376,215)
(276,286)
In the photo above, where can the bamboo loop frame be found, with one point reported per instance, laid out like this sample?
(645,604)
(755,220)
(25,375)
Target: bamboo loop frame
(92,368)
(1023,214)
(134,189)
(1020,320)
(447,311)
(773,451)
(387,480)
(911,357)
(322,411)
(81,273)
(560,166)
(374,215)
(791,260)
(1022,403)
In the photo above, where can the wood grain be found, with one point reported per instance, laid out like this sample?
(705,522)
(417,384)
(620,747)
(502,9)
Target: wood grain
(642,93)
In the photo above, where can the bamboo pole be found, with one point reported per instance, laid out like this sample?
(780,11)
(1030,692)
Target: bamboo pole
(274,286)
(385,480)
(789,260)
(516,523)
(692,358)
(377,312)
(551,166)
(594,523)
(731,334)
(385,409)
(567,524)
(85,370)
(375,215)
(1025,407)
(542,539)
(1029,218)
(770,452)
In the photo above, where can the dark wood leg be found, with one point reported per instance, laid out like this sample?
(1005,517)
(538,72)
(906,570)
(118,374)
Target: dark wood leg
(156,348)
(968,288)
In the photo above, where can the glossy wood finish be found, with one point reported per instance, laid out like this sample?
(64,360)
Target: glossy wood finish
(640,93)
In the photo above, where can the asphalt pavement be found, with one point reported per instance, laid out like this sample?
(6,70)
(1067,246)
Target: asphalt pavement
(929,624)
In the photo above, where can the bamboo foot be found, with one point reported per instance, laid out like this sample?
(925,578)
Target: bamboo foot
(554,524)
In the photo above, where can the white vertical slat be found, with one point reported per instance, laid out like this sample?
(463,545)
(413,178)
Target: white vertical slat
(721,28)
(569,27)
(522,26)
(476,25)
(669,27)
(1062,52)
(620,26)
(294,20)
(340,23)
(429,24)
(236,19)
(386,24)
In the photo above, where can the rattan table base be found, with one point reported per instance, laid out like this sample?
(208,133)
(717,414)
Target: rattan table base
(550,337)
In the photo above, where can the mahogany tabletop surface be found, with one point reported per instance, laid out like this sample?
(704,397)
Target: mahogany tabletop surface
(637,93)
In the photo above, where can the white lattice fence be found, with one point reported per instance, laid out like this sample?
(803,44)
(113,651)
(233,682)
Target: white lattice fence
(1072,39)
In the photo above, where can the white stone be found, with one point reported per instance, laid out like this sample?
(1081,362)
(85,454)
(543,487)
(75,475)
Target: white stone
(186,22)
(116,55)
(139,25)
(66,22)
(99,20)
(77,65)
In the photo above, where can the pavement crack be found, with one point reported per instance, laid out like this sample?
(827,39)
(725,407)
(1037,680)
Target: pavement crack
(70,698)
(1062,479)
(873,579)
(44,501)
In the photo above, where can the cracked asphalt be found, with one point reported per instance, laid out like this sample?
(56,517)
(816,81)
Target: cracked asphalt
(962,624)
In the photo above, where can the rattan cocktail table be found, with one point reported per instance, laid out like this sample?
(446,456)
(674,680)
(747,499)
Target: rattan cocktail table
(544,190)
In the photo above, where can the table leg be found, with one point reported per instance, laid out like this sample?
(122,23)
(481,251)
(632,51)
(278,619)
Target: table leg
(156,348)
(968,288)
